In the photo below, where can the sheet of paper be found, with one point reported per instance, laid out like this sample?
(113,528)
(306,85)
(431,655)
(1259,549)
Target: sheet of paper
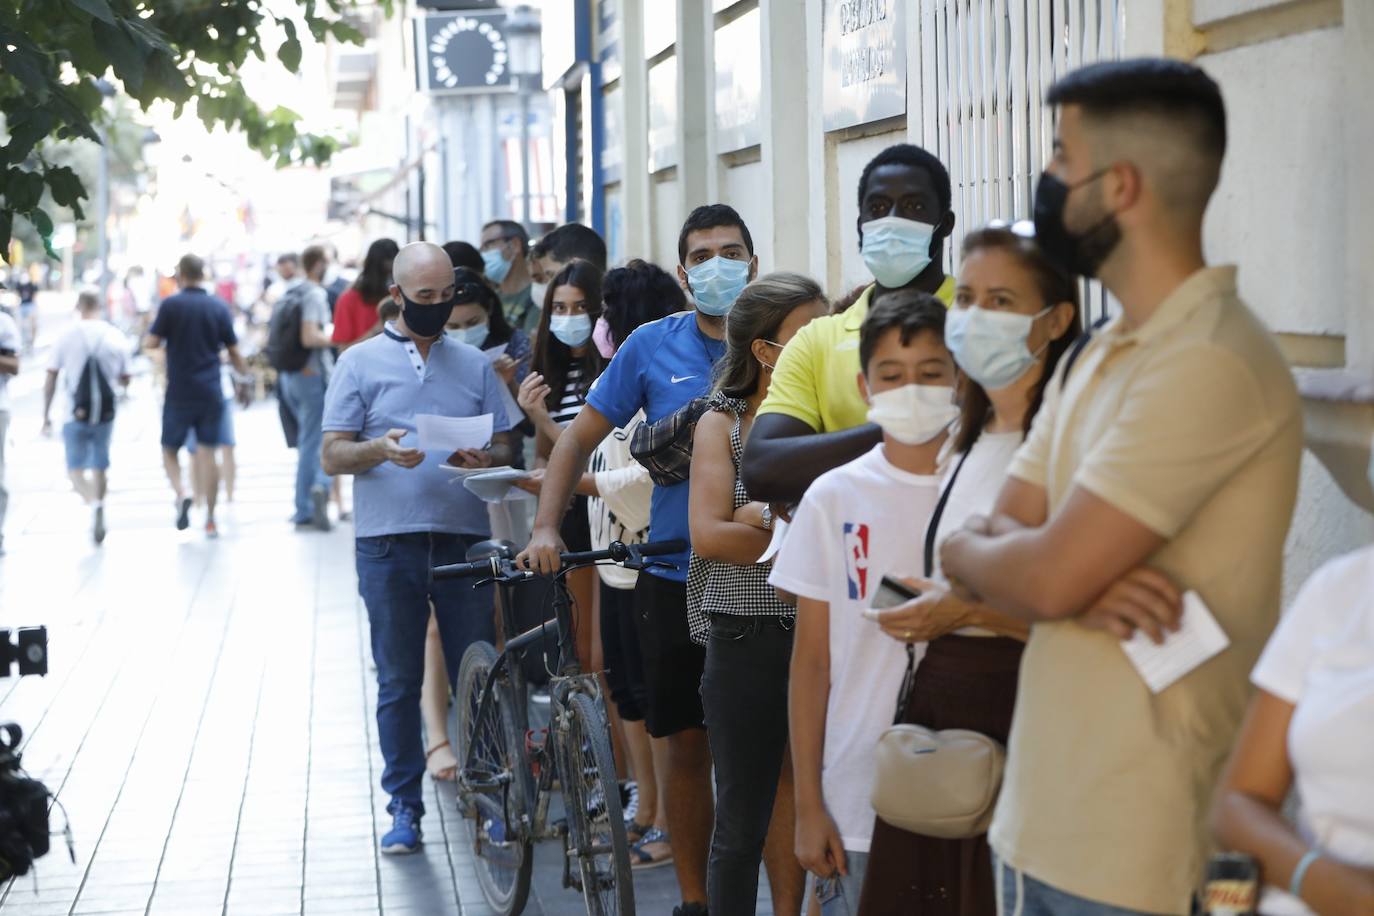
(1199,637)
(446,435)
(774,545)
(495,352)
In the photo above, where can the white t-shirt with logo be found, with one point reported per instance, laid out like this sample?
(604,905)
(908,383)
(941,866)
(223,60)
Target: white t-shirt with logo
(857,523)
(1321,659)
(86,338)
(9,341)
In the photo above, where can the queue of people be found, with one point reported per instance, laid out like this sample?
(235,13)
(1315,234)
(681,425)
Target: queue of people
(924,520)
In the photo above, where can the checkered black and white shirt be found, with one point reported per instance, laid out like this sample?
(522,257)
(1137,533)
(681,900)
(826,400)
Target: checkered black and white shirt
(714,587)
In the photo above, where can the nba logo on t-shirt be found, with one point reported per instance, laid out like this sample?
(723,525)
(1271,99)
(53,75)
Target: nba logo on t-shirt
(856,559)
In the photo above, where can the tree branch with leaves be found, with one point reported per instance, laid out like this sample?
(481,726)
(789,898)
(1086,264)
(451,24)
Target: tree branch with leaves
(53,52)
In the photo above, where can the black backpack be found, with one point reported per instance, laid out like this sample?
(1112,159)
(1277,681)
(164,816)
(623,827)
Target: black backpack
(285,352)
(94,400)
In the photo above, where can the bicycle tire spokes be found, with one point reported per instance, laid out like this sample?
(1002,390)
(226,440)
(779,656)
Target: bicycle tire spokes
(491,787)
(596,834)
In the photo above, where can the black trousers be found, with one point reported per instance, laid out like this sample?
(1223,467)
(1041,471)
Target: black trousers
(744,696)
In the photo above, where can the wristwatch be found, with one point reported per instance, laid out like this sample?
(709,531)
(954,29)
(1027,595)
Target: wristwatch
(767,517)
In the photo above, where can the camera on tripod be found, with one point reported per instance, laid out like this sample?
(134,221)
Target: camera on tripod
(24,832)
(29,651)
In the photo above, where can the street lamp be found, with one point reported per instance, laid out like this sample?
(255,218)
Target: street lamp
(102,228)
(526,66)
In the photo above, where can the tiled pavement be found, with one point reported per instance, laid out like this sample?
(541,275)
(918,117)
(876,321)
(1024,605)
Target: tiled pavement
(208,720)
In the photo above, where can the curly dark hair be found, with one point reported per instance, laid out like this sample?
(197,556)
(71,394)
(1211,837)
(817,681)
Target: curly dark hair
(638,293)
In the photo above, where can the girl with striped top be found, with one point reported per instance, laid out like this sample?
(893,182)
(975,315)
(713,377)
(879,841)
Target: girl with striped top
(565,365)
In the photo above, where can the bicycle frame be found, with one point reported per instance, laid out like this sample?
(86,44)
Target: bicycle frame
(569,678)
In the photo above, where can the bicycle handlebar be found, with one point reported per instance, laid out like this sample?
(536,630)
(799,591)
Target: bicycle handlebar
(630,555)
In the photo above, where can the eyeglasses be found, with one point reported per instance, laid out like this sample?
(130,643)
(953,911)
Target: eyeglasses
(1023,228)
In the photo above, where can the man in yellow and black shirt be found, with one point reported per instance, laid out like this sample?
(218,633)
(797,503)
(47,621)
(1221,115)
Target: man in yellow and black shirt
(815,417)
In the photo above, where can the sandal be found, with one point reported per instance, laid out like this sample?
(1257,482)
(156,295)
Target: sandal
(634,831)
(444,774)
(643,858)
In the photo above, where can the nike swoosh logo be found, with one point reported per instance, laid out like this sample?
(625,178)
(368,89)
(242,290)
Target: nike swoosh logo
(681,378)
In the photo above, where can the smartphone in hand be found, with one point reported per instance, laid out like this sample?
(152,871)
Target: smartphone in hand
(892,592)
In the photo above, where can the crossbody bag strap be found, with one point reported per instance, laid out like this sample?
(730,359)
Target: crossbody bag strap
(909,679)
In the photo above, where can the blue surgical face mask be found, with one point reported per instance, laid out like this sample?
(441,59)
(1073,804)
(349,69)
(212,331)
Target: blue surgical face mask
(990,346)
(717,283)
(896,250)
(496,265)
(573,330)
(474,335)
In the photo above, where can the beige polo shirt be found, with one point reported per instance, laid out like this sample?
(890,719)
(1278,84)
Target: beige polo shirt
(1190,424)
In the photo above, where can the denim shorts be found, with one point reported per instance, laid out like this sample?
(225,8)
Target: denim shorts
(88,447)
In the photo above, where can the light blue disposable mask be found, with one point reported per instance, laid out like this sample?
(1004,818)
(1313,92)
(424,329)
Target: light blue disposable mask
(495,264)
(475,335)
(717,283)
(990,346)
(896,250)
(573,330)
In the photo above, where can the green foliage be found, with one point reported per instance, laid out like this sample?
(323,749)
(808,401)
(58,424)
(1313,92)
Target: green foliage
(52,52)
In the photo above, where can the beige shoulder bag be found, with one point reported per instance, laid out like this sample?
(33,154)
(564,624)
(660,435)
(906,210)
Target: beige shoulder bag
(936,783)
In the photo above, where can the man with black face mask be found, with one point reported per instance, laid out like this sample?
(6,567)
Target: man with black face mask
(814,418)
(1175,442)
(408,517)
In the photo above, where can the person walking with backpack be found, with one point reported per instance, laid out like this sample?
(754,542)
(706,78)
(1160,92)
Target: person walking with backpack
(92,356)
(195,326)
(298,347)
(9,365)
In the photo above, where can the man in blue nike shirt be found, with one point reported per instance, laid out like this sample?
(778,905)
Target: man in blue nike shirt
(662,366)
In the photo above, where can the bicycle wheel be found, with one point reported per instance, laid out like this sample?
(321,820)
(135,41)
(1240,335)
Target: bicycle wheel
(595,822)
(493,787)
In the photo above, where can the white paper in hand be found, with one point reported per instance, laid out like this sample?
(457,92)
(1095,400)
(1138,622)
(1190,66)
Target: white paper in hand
(495,352)
(1199,637)
(494,485)
(774,545)
(446,435)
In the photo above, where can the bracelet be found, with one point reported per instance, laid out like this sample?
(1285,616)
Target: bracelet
(1299,873)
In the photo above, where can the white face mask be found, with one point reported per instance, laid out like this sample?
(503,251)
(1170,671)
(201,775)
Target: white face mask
(914,414)
(990,346)
(537,293)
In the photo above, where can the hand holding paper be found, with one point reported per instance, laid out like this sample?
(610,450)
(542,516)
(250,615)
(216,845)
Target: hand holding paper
(445,435)
(1198,638)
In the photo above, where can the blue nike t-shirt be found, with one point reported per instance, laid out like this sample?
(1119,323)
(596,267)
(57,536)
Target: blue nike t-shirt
(662,366)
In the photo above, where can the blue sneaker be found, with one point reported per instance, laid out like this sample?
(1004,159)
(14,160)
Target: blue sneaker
(404,836)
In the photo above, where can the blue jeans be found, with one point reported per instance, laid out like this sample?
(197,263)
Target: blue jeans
(1018,894)
(88,447)
(304,395)
(838,895)
(395,584)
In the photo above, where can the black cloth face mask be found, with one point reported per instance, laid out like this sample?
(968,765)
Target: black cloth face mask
(1075,253)
(426,319)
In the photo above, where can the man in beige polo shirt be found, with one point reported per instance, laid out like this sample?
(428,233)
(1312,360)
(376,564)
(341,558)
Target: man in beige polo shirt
(1165,460)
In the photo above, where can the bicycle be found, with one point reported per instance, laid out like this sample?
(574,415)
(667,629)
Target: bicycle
(507,775)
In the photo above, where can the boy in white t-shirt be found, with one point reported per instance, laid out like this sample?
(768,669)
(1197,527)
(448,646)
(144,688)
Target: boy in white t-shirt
(858,523)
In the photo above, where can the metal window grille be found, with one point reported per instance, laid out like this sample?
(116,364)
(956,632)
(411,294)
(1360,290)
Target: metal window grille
(986,66)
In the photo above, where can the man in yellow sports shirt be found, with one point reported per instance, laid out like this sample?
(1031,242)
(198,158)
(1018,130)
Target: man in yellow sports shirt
(814,417)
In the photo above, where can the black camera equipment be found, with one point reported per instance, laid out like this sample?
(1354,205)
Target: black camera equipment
(24,834)
(30,651)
